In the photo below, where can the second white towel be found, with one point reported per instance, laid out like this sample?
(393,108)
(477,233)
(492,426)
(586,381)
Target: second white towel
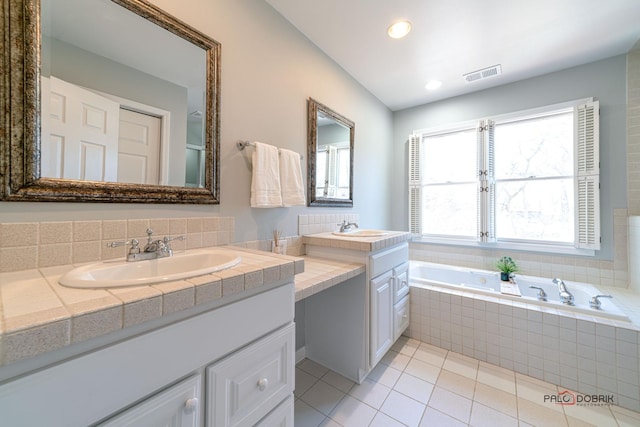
(291,178)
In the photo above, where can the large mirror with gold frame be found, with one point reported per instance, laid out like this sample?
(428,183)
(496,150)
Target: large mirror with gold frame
(107,100)
(330,140)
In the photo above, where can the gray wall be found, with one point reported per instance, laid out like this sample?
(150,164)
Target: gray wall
(268,71)
(604,80)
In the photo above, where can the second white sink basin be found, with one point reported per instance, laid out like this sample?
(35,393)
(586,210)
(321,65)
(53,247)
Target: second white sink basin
(361,233)
(122,273)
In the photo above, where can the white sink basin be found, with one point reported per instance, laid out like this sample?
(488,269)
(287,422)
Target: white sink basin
(113,274)
(361,233)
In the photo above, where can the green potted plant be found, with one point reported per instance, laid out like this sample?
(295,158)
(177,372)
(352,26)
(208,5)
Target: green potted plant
(507,266)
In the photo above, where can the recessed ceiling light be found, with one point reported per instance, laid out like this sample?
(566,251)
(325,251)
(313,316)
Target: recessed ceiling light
(433,84)
(399,29)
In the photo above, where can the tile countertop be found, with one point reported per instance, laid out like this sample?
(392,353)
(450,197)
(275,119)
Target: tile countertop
(320,274)
(38,315)
(365,244)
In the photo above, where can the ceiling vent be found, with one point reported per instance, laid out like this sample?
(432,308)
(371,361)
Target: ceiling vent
(485,73)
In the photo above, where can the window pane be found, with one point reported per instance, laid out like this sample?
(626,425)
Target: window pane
(539,147)
(450,158)
(535,210)
(321,172)
(344,160)
(450,210)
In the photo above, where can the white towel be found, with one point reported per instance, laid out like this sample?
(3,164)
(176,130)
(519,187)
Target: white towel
(291,178)
(265,181)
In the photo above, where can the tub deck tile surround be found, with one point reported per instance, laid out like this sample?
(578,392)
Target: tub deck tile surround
(38,315)
(573,350)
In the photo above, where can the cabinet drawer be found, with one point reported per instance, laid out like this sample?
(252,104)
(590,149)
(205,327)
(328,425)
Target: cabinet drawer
(247,385)
(401,317)
(400,282)
(282,416)
(176,406)
(389,258)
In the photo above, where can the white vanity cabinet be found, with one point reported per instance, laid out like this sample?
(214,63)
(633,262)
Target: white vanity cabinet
(351,326)
(389,289)
(230,364)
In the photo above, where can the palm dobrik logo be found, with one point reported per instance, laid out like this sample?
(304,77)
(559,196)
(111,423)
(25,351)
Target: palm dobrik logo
(568,398)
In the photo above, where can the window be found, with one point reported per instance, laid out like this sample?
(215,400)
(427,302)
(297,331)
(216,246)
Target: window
(527,179)
(332,170)
(450,184)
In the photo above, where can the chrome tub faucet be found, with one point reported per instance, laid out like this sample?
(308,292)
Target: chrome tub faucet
(594,302)
(542,295)
(565,296)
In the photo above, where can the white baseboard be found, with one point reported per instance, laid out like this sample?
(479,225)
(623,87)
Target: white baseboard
(301,354)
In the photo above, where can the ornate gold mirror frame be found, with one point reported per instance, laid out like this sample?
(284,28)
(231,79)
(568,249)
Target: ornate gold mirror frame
(20,119)
(315,112)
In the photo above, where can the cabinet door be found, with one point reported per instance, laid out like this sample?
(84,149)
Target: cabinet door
(381,316)
(247,385)
(401,282)
(177,406)
(401,315)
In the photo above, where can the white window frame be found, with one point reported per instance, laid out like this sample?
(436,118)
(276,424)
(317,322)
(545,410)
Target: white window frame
(332,168)
(585,172)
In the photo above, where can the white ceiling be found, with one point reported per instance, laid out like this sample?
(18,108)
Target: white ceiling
(454,37)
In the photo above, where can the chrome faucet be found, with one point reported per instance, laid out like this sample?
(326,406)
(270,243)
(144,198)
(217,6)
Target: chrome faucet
(594,302)
(565,296)
(346,226)
(153,249)
(542,295)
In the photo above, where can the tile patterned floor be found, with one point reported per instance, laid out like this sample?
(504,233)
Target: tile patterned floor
(417,384)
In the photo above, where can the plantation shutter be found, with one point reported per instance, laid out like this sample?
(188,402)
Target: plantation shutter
(415,185)
(587,175)
(486,182)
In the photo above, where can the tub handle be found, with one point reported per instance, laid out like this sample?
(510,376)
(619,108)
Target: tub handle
(542,295)
(595,302)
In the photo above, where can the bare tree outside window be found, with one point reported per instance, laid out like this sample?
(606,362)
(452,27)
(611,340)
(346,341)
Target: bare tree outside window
(534,179)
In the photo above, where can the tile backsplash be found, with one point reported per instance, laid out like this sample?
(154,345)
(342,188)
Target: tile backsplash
(310,224)
(30,245)
(579,269)
(294,245)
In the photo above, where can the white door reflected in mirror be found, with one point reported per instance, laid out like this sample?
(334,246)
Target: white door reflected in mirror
(139,148)
(143,68)
(79,133)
